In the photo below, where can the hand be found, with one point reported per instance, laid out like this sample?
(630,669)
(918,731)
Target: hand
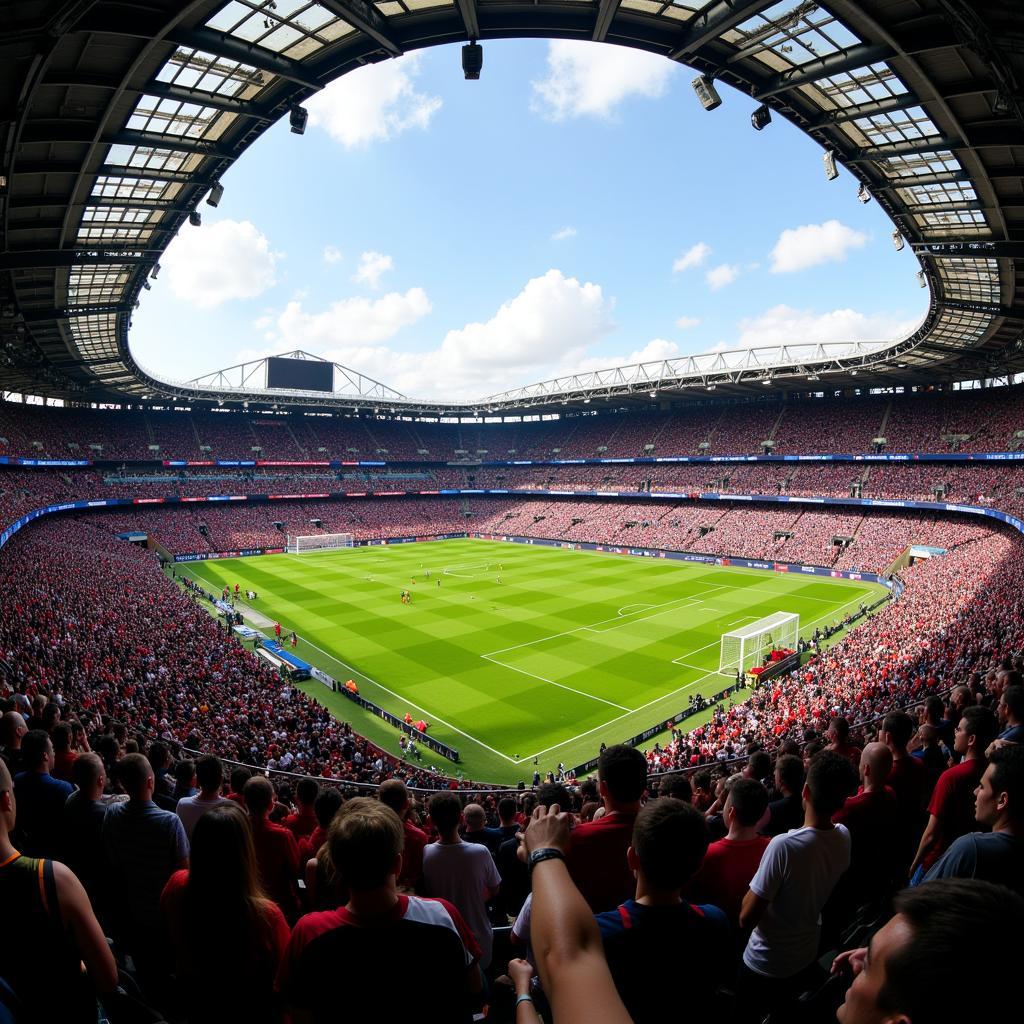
(852,960)
(995,745)
(521,973)
(549,827)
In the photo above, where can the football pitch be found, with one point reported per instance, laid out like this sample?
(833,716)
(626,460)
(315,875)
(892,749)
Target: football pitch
(513,652)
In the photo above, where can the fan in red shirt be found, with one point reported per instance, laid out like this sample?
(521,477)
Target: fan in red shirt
(951,811)
(839,740)
(394,794)
(909,780)
(303,822)
(325,808)
(277,853)
(728,866)
(360,945)
(597,856)
(228,938)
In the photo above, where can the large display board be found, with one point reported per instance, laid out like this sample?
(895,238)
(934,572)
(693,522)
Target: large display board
(300,374)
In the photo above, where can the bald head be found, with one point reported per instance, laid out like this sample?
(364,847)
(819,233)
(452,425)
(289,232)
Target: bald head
(12,728)
(475,817)
(875,766)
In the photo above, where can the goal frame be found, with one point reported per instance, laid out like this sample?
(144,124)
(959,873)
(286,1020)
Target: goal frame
(318,542)
(745,647)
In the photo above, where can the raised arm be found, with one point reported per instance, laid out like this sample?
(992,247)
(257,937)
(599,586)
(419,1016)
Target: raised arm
(565,937)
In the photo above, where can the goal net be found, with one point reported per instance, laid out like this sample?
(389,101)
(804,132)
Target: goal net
(318,542)
(747,646)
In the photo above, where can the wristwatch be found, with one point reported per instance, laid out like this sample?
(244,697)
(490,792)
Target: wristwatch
(546,853)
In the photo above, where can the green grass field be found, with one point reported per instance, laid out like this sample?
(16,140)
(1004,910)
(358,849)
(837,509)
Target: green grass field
(570,649)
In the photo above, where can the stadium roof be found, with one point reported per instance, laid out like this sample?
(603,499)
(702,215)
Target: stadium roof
(118,118)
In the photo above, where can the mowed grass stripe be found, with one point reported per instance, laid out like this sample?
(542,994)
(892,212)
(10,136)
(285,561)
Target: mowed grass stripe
(556,614)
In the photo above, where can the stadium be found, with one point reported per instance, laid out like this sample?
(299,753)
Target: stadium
(295,663)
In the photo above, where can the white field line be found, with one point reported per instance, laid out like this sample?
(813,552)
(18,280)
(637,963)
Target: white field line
(401,697)
(656,700)
(561,686)
(742,618)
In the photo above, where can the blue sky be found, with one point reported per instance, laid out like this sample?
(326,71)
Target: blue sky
(573,209)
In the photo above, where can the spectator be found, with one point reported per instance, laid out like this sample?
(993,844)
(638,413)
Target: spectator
(659,934)
(1011,714)
(895,978)
(788,811)
(378,929)
(277,853)
(160,759)
(395,794)
(678,787)
(931,753)
(729,864)
(951,810)
(461,873)
(40,797)
(839,740)
(12,731)
(597,858)
(909,780)
(508,826)
(145,846)
(303,822)
(238,778)
(63,755)
(326,807)
(796,876)
(476,830)
(228,937)
(209,773)
(996,856)
(43,945)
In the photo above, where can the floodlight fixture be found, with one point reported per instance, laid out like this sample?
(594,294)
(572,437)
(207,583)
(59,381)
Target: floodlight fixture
(472,60)
(155,272)
(761,117)
(921,279)
(829,159)
(653,394)
(711,387)
(216,194)
(863,194)
(813,376)
(706,92)
(586,401)
(853,373)
(897,240)
(195,218)
(297,118)
(146,285)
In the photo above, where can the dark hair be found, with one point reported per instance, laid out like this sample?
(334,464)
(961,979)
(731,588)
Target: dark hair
(1008,776)
(133,771)
(589,790)
(33,748)
(393,793)
(1013,698)
(831,778)
(678,787)
(364,839)
(900,727)
(158,754)
(790,770)
(623,770)
(306,790)
(326,806)
(224,908)
(760,765)
(981,724)
(86,769)
(934,706)
(506,808)
(840,726)
(445,811)
(60,737)
(184,773)
(702,780)
(749,799)
(670,840)
(239,777)
(258,795)
(549,793)
(209,772)
(941,914)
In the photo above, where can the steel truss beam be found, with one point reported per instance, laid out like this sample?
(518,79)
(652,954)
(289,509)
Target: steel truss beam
(835,63)
(365,17)
(711,21)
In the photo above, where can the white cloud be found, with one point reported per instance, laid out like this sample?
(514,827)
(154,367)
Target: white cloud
(785,325)
(720,276)
(548,326)
(587,79)
(371,266)
(223,260)
(563,233)
(693,257)
(332,254)
(655,350)
(685,322)
(354,321)
(811,244)
(374,103)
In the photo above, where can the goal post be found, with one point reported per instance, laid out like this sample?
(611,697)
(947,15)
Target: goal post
(297,544)
(747,646)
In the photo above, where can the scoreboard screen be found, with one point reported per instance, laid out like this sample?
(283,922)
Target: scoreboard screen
(300,374)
